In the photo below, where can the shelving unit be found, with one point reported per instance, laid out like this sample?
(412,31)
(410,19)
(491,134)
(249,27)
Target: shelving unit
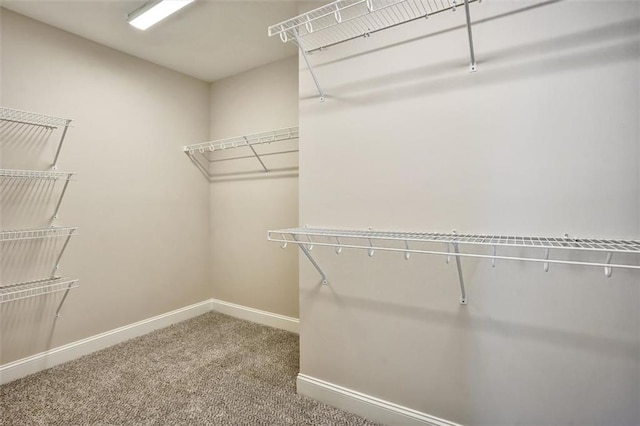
(344,20)
(537,249)
(201,153)
(41,175)
(11,292)
(37,119)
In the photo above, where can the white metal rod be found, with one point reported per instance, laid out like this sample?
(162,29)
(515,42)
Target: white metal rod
(257,156)
(311,259)
(57,264)
(64,189)
(313,74)
(470,34)
(473,255)
(64,133)
(463,293)
(64,297)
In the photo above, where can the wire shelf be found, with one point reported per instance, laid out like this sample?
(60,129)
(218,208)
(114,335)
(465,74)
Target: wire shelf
(33,118)
(25,290)
(279,135)
(30,234)
(462,245)
(589,244)
(344,20)
(35,174)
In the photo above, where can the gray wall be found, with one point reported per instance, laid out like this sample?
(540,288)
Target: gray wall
(542,140)
(141,206)
(246,202)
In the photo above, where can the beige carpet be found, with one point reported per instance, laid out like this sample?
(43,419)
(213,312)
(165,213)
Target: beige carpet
(213,370)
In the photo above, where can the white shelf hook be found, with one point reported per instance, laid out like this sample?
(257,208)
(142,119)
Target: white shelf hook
(608,270)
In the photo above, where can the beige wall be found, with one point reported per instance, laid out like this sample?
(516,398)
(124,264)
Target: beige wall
(542,140)
(245,202)
(141,206)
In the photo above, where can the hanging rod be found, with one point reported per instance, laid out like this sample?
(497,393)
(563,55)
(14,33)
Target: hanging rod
(37,119)
(202,150)
(30,234)
(455,245)
(35,174)
(11,292)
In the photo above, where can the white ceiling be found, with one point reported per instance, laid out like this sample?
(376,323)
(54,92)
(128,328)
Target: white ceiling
(209,39)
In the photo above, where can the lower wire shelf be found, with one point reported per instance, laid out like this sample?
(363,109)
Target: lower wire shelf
(12,292)
(454,245)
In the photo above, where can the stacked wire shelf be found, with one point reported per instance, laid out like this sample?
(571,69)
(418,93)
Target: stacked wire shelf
(53,284)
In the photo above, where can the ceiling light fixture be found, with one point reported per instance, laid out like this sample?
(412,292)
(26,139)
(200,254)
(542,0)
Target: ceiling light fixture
(154,11)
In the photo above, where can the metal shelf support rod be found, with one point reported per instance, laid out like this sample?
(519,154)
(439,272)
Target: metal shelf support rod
(311,259)
(64,133)
(64,297)
(64,189)
(473,56)
(64,247)
(306,59)
(256,154)
(463,293)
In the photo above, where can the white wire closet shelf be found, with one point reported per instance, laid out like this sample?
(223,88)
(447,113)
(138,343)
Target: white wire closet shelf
(200,152)
(36,119)
(344,20)
(537,249)
(31,234)
(35,174)
(33,118)
(9,293)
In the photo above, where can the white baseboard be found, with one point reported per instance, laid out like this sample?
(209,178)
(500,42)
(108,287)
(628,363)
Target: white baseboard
(256,315)
(364,405)
(38,362)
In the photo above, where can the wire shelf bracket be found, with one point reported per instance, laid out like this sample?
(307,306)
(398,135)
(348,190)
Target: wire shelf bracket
(36,119)
(199,153)
(344,20)
(41,175)
(537,249)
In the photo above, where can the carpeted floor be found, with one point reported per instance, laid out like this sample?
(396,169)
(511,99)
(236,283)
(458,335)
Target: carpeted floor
(213,369)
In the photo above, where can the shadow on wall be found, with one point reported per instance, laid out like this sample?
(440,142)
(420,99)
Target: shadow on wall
(462,320)
(22,145)
(28,203)
(509,64)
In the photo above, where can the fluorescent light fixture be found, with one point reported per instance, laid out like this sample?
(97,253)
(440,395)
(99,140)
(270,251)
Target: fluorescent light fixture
(154,11)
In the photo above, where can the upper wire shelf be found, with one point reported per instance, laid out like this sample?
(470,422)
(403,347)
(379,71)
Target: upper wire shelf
(344,20)
(459,245)
(201,153)
(30,234)
(240,141)
(25,290)
(33,118)
(35,174)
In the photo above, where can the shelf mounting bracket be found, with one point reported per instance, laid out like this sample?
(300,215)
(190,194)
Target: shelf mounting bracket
(463,292)
(64,247)
(472,67)
(256,154)
(64,189)
(306,252)
(64,297)
(306,59)
(54,166)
